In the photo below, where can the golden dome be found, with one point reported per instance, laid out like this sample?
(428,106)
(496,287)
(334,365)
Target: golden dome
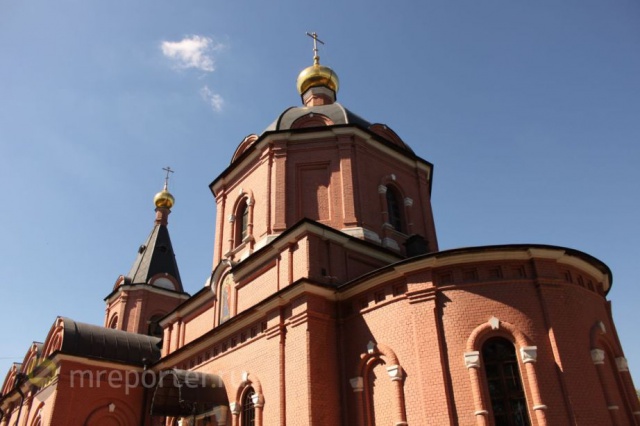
(164,199)
(317,75)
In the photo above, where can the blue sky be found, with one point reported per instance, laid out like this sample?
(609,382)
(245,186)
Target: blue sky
(529,111)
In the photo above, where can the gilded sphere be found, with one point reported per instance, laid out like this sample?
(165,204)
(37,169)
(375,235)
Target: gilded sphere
(164,199)
(317,75)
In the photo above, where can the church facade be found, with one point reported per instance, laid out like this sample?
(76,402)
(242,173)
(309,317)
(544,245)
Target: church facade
(329,302)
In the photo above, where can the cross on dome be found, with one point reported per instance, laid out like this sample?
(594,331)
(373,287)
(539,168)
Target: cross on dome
(164,198)
(316,40)
(166,178)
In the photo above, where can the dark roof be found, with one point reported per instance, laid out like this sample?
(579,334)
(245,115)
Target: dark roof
(97,342)
(181,393)
(335,112)
(155,256)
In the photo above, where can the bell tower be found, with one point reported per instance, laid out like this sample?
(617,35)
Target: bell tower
(152,288)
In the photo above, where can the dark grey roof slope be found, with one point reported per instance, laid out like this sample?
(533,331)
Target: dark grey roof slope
(182,393)
(155,256)
(335,112)
(97,342)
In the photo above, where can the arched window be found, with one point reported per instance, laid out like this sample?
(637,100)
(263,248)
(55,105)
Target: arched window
(248,408)
(242,222)
(224,299)
(505,386)
(113,324)
(394,208)
(154,326)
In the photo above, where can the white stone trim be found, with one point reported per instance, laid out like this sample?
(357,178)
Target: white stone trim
(408,202)
(481,413)
(264,241)
(231,218)
(357,383)
(235,408)
(613,407)
(363,234)
(390,243)
(597,356)
(371,347)
(529,354)
(539,407)
(395,372)
(494,323)
(472,359)
(382,189)
(622,364)
(257,400)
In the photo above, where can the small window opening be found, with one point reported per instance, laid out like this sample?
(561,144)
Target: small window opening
(394,208)
(242,222)
(155,329)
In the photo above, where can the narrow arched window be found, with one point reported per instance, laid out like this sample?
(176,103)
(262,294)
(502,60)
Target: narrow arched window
(224,299)
(394,205)
(242,222)
(113,324)
(505,385)
(155,329)
(248,408)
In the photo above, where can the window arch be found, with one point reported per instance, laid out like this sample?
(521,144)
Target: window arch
(241,231)
(154,328)
(113,324)
(506,392)
(394,208)
(379,371)
(248,417)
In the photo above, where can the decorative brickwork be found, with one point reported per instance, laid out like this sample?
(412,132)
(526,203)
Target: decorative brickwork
(328,303)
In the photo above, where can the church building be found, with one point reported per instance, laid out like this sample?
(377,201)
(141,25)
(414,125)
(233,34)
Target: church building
(330,303)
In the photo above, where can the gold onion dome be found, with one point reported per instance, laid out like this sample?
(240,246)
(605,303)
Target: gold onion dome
(317,75)
(164,199)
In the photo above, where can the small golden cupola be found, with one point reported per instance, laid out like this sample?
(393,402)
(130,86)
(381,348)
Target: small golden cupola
(163,200)
(317,84)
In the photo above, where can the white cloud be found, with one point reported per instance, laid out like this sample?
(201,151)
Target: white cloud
(192,52)
(213,99)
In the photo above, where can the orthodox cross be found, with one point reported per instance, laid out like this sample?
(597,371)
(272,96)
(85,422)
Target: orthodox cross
(166,178)
(316,40)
